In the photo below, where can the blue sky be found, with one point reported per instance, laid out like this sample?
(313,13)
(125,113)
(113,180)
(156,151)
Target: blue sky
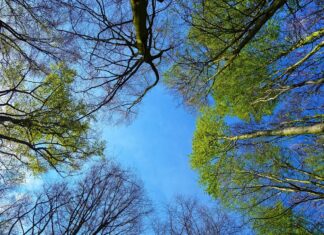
(156,145)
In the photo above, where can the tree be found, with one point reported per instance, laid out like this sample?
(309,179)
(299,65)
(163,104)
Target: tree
(40,121)
(60,62)
(258,145)
(139,19)
(107,200)
(254,170)
(251,47)
(188,216)
(95,38)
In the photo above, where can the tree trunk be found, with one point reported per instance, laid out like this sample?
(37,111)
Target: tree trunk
(288,131)
(139,20)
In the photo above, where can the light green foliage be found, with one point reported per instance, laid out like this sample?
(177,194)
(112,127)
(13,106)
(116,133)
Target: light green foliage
(254,178)
(247,78)
(258,175)
(206,144)
(236,89)
(234,81)
(279,220)
(43,127)
(219,22)
(249,62)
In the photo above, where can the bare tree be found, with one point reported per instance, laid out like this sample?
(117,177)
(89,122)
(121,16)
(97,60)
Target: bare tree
(97,38)
(190,217)
(108,200)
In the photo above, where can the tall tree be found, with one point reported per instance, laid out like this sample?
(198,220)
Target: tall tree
(259,65)
(99,39)
(40,120)
(106,200)
(260,173)
(232,46)
(188,216)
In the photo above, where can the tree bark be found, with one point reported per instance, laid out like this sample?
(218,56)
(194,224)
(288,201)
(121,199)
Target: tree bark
(288,131)
(139,20)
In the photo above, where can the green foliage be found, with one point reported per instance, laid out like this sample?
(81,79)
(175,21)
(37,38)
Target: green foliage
(247,78)
(256,177)
(279,220)
(220,22)
(206,144)
(247,57)
(236,81)
(45,127)
(236,89)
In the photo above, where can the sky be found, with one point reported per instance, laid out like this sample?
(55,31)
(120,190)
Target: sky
(156,146)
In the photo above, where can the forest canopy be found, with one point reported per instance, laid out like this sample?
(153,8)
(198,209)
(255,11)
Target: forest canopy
(254,69)
(251,70)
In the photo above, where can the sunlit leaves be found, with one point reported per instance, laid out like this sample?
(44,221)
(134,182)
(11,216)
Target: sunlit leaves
(45,124)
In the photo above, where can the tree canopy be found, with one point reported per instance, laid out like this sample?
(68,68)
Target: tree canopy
(257,66)
(252,69)
(41,124)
